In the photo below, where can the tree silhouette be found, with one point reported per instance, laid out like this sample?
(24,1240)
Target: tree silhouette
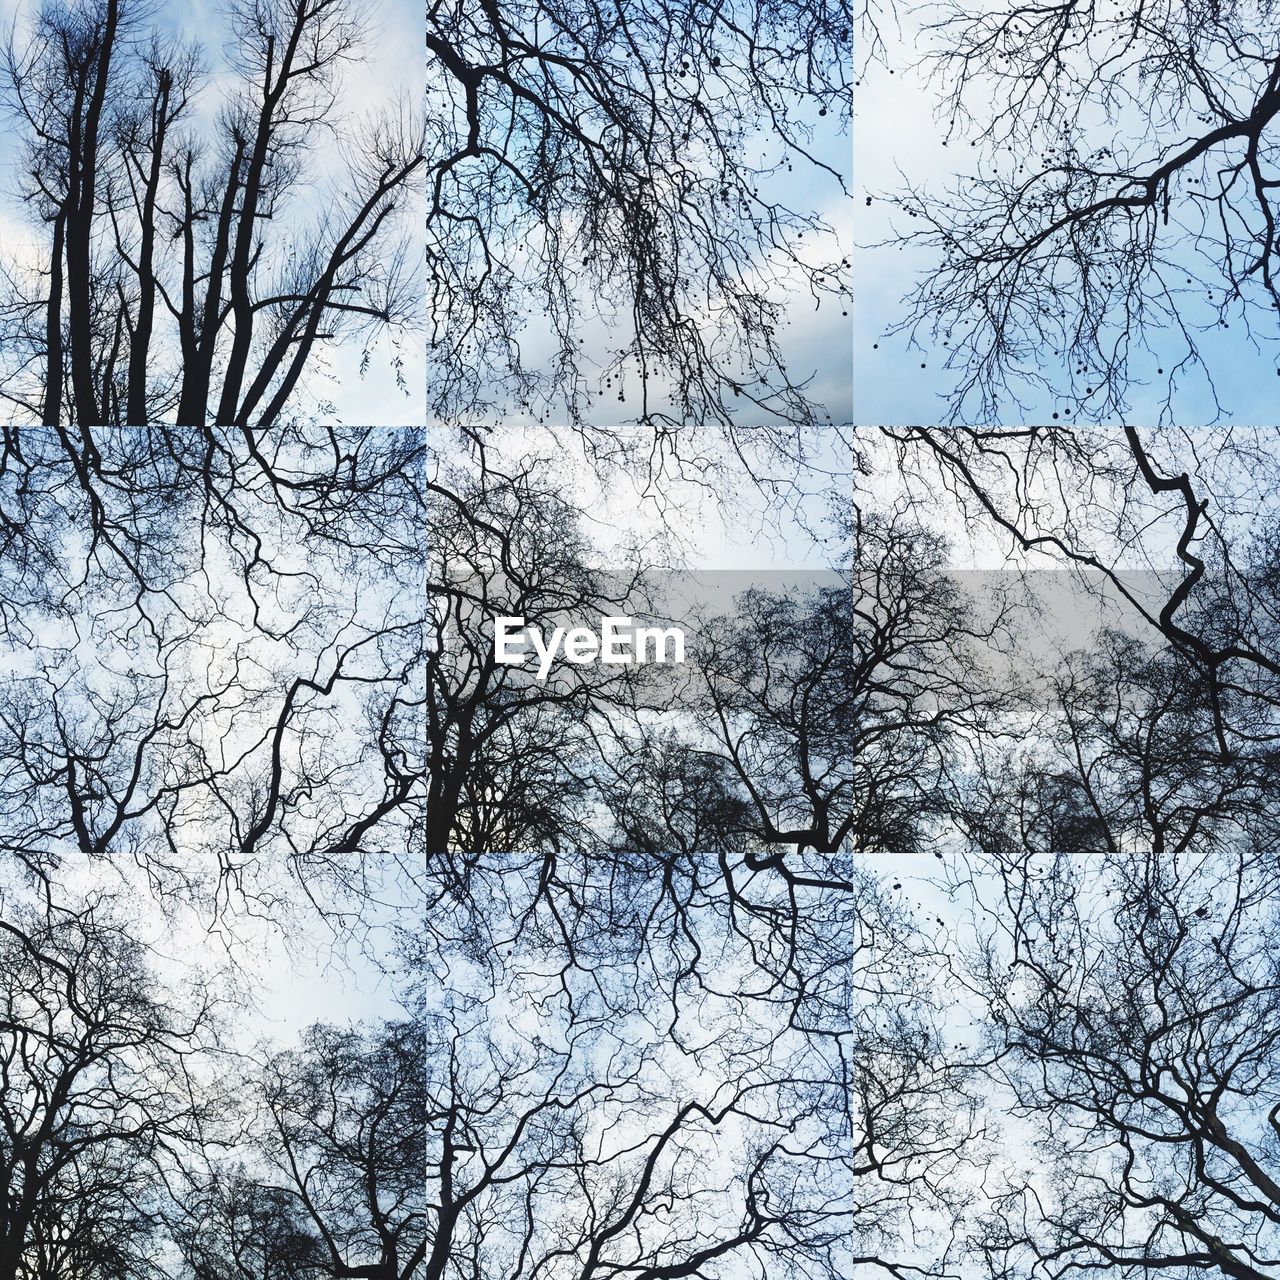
(224,1223)
(609,157)
(105,723)
(177,277)
(1121,214)
(1133,1020)
(502,745)
(96,1067)
(1130,757)
(1178,505)
(842,714)
(347,1123)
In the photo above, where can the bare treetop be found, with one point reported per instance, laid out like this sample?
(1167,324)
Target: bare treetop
(636,166)
(176,271)
(1101,243)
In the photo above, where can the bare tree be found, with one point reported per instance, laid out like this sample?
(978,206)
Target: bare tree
(97,1092)
(1184,510)
(1121,211)
(225,1223)
(347,1119)
(1128,756)
(605,153)
(1132,1018)
(177,276)
(843,713)
(163,581)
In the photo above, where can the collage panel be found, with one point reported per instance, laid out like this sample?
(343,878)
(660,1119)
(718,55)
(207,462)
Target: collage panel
(212,642)
(639,211)
(1126,643)
(1108,1022)
(212,213)
(1064,215)
(634,636)
(640,1063)
(184,1100)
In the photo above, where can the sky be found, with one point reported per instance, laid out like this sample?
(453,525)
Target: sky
(731,523)
(898,140)
(391,69)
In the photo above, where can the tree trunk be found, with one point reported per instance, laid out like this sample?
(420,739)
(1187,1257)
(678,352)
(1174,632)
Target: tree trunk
(52,413)
(139,347)
(80,231)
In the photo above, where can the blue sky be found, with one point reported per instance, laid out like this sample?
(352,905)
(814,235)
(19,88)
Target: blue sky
(392,67)
(816,340)
(897,139)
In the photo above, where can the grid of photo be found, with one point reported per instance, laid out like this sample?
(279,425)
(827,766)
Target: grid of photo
(639,640)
